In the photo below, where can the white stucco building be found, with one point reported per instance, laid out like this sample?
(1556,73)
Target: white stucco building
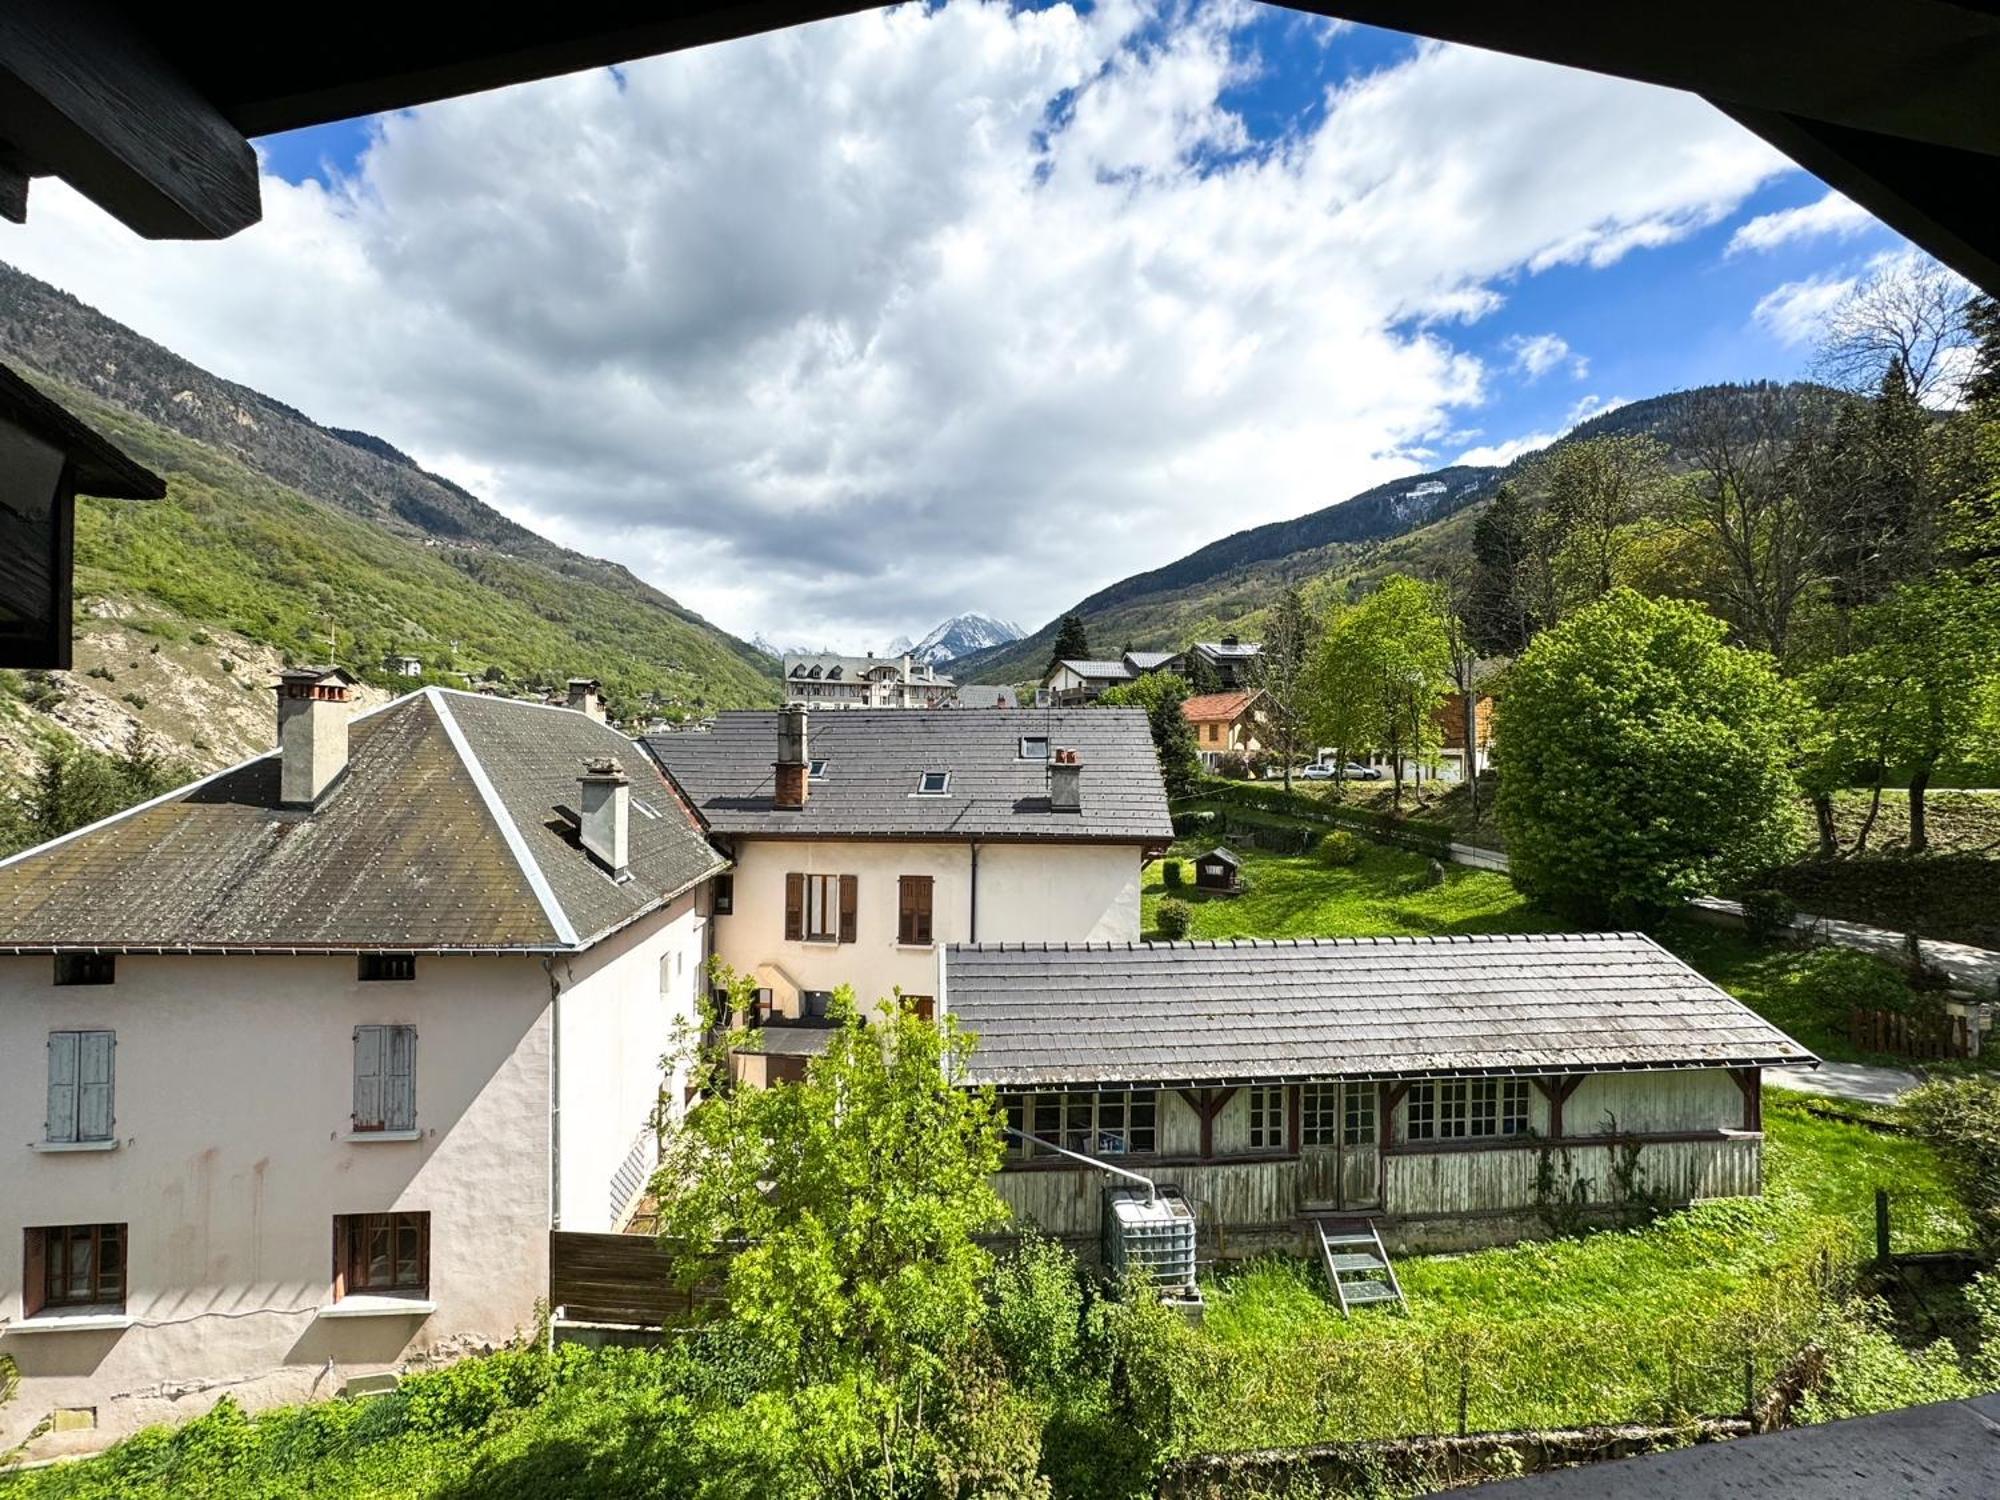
(303,1063)
(863,841)
(826,680)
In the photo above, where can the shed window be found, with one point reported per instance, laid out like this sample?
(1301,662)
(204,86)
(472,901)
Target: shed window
(1117,1123)
(1319,1114)
(86,968)
(382,1254)
(388,966)
(1034,747)
(934,784)
(80,1086)
(913,910)
(1267,1117)
(1467,1109)
(385,1065)
(75,1265)
(1014,1114)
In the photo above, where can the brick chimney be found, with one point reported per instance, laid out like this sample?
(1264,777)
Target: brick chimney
(313,705)
(585,699)
(1065,781)
(792,782)
(604,824)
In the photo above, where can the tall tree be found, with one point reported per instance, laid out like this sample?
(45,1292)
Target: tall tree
(1283,671)
(1381,672)
(1911,313)
(1161,695)
(1982,322)
(1498,610)
(1646,760)
(1591,494)
(1072,641)
(1457,585)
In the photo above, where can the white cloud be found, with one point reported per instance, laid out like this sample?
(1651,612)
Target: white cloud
(1832,215)
(840,330)
(1796,313)
(1537,354)
(1594,405)
(1500,454)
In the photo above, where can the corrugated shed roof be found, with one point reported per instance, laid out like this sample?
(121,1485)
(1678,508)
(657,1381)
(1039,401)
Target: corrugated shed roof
(875,757)
(436,837)
(1346,1007)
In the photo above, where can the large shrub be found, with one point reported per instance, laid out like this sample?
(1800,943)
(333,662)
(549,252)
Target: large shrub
(1833,981)
(1175,918)
(1339,849)
(1961,1116)
(1171,874)
(1646,760)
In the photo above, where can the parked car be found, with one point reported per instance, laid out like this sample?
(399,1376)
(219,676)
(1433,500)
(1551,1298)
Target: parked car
(1349,772)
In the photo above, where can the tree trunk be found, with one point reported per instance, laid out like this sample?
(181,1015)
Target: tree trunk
(1471,703)
(1920,836)
(1829,838)
(1868,823)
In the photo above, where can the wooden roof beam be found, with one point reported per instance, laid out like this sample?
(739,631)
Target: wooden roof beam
(85,97)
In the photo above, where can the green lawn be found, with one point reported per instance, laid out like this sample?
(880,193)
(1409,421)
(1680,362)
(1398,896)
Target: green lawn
(1385,895)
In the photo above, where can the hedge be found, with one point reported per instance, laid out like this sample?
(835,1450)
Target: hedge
(1422,834)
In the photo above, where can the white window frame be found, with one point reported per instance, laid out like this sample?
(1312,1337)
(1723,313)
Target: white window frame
(1467,1109)
(1266,1108)
(925,789)
(1034,739)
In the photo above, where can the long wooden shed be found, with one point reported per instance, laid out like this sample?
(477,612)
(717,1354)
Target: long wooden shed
(1440,1086)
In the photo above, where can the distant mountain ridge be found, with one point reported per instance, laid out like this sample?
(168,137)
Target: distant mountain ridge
(959,636)
(1241,574)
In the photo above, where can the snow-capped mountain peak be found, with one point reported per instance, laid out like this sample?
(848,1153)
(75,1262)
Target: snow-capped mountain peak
(959,636)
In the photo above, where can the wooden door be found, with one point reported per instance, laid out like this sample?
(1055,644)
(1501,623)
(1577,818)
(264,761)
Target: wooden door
(1339,1161)
(1360,1151)
(1319,1176)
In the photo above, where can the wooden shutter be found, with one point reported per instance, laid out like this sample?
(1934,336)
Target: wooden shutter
(368,1077)
(850,893)
(399,1087)
(93,1085)
(795,908)
(913,915)
(35,1281)
(61,1123)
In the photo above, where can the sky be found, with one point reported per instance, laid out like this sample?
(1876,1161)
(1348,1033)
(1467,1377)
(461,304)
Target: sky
(837,332)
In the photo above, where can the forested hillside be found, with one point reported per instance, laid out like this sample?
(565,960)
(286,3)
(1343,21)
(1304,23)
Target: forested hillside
(280,538)
(1227,584)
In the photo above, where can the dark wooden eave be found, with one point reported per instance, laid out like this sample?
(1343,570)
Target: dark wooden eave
(98,468)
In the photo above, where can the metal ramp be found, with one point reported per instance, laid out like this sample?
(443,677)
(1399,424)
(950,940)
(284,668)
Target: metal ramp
(1357,1267)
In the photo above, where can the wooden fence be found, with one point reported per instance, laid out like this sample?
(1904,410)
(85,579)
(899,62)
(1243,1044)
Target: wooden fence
(1905,1035)
(617,1278)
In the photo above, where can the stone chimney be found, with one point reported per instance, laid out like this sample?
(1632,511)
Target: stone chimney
(604,822)
(792,782)
(584,698)
(313,705)
(1065,781)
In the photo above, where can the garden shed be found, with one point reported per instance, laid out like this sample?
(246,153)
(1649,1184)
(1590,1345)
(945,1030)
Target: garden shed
(1455,1090)
(1218,870)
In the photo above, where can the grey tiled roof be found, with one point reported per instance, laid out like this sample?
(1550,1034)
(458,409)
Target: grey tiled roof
(442,834)
(875,757)
(1149,661)
(1110,669)
(1346,1007)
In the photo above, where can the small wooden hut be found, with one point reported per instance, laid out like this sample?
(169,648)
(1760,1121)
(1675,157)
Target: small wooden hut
(1219,870)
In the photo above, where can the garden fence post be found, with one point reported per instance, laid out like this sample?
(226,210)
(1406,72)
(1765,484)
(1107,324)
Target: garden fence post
(1464,1380)
(1882,1224)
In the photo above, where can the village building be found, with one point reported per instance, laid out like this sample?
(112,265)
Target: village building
(825,680)
(300,1065)
(1231,662)
(1225,724)
(864,842)
(1071,683)
(1422,1083)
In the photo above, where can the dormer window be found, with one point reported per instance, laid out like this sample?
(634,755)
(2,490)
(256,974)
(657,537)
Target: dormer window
(1034,747)
(934,784)
(817,770)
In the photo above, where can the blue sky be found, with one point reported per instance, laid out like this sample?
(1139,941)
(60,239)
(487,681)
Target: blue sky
(835,332)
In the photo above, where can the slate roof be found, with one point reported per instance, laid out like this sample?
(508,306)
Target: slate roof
(1149,661)
(874,758)
(1218,1013)
(981,695)
(1206,707)
(442,834)
(1114,671)
(1229,649)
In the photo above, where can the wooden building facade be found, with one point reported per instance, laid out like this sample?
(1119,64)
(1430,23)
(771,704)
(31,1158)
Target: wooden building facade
(1274,1083)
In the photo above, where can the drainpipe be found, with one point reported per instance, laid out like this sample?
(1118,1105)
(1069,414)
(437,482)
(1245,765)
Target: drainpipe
(555,1094)
(1152,1192)
(973,935)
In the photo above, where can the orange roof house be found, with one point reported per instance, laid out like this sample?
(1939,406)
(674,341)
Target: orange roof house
(1224,723)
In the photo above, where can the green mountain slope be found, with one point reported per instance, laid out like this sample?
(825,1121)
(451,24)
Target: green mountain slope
(1227,584)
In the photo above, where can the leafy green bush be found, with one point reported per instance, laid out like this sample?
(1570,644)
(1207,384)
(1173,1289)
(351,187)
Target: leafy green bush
(1833,981)
(1171,874)
(1036,1316)
(1174,917)
(1339,849)
(1961,1117)
(1232,767)
(1195,822)
(1768,913)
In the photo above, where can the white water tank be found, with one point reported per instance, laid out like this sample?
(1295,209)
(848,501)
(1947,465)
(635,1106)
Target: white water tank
(1154,1235)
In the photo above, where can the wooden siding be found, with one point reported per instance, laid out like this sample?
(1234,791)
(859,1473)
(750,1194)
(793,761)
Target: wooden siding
(1453,1182)
(1419,1184)
(614,1278)
(1654,1102)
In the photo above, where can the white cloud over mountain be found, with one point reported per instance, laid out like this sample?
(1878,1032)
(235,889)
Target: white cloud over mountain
(1831,216)
(840,330)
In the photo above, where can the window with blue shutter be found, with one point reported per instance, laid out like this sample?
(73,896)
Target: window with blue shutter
(385,1069)
(80,1086)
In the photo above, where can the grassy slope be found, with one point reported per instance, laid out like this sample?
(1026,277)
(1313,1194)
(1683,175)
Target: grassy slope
(231,548)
